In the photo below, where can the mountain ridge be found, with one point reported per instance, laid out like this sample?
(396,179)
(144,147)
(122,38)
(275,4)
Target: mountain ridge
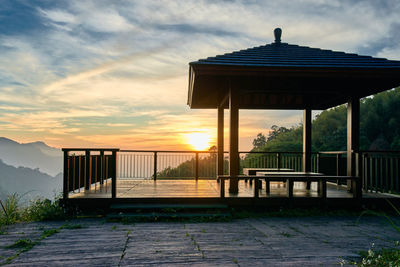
(31,155)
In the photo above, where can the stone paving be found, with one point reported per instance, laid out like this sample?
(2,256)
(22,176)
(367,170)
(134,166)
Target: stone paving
(267,241)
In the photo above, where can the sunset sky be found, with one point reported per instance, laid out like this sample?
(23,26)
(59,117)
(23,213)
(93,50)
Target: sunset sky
(114,73)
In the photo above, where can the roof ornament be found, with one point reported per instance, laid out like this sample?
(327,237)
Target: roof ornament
(278,34)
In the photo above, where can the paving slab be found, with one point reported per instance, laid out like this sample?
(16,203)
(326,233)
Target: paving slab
(266,241)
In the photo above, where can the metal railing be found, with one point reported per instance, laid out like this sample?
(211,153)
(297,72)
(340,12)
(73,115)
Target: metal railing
(85,168)
(380,171)
(288,160)
(88,168)
(144,164)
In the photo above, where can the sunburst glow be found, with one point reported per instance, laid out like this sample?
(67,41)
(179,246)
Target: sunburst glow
(199,141)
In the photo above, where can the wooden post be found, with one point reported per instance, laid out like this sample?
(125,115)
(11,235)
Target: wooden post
(197,166)
(307,142)
(278,160)
(222,188)
(102,167)
(338,159)
(88,170)
(155,166)
(256,187)
(353,138)
(233,141)
(220,142)
(114,175)
(66,176)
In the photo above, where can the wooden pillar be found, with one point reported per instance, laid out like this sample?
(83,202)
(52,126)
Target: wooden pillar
(114,175)
(66,175)
(307,142)
(233,141)
(220,141)
(88,170)
(353,138)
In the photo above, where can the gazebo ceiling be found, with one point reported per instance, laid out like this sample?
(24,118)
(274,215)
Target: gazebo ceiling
(285,76)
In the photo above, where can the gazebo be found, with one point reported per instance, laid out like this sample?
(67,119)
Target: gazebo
(286,76)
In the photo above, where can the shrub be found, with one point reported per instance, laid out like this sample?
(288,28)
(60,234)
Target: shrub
(10,211)
(43,209)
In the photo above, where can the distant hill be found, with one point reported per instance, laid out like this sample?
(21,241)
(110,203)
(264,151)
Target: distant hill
(32,155)
(28,182)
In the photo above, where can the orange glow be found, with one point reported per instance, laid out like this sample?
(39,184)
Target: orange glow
(199,141)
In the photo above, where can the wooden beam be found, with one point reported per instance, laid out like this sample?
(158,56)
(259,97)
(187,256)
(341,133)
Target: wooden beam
(307,142)
(353,138)
(233,141)
(220,141)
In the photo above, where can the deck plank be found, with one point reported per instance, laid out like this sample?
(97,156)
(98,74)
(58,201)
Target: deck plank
(141,188)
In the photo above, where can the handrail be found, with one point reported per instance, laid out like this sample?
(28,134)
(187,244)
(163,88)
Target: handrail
(93,165)
(90,149)
(87,169)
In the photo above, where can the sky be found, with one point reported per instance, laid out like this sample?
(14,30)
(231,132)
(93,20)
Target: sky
(98,73)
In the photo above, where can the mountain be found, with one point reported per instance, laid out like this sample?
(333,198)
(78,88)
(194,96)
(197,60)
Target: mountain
(28,183)
(32,155)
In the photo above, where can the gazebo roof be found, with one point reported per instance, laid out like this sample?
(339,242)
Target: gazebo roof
(286,76)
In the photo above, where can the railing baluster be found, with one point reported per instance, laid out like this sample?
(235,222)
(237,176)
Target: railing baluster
(155,166)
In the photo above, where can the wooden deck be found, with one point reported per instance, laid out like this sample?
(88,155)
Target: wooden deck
(140,188)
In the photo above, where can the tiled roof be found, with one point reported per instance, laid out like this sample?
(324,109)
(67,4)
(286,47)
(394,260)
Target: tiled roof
(288,55)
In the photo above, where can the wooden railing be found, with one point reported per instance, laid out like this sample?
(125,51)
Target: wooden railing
(84,168)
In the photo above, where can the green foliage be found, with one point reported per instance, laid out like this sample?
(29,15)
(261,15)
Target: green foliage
(43,209)
(72,226)
(377,258)
(23,244)
(379,127)
(38,210)
(49,232)
(260,141)
(384,256)
(10,212)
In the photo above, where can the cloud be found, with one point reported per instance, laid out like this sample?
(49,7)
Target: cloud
(115,73)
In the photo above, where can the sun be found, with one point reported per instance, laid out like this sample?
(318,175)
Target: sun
(199,141)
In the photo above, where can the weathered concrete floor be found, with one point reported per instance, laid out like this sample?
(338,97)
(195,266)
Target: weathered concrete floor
(299,241)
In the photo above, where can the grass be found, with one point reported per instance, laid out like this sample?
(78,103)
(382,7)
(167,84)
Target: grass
(38,210)
(49,232)
(383,256)
(22,244)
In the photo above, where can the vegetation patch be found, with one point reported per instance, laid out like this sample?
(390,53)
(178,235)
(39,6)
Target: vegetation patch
(49,232)
(23,244)
(382,257)
(12,211)
(72,226)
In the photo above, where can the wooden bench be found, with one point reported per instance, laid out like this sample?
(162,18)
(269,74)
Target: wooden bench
(290,178)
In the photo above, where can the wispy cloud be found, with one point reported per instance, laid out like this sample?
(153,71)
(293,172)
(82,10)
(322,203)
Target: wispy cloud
(95,73)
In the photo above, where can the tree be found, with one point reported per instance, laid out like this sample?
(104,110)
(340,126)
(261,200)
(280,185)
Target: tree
(260,141)
(276,131)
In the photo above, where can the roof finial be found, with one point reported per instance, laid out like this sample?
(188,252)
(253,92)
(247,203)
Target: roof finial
(278,33)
